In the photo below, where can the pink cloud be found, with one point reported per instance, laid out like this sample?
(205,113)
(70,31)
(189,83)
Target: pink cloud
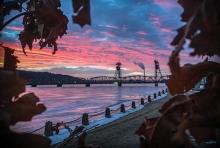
(138,4)
(109,26)
(88,31)
(103,55)
(141,32)
(124,28)
(166,30)
(96,56)
(91,55)
(77,49)
(108,33)
(15,28)
(167,4)
(155,19)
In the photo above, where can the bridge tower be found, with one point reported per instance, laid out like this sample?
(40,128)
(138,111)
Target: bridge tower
(118,70)
(157,72)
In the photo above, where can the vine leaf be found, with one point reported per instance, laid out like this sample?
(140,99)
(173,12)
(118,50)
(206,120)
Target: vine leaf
(24,108)
(216,81)
(198,134)
(205,115)
(56,128)
(77,4)
(47,25)
(9,8)
(141,130)
(10,60)
(199,112)
(11,85)
(143,143)
(26,37)
(25,141)
(76,131)
(167,125)
(83,15)
(171,102)
(186,77)
(159,131)
(4,123)
(82,140)
(204,28)
(189,8)
(147,127)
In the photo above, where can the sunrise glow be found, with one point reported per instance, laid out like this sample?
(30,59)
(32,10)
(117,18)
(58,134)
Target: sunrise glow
(121,31)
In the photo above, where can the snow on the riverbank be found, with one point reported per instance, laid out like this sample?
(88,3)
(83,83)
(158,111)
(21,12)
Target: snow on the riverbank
(64,133)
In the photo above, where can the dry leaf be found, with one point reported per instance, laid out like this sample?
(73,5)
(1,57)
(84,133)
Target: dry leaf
(17,140)
(11,85)
(186,77)
(168,124)
(82,140)
(83,15)
(24,108)
(204,29)
(202,134)
(52,19)
(174,100)
(204,115)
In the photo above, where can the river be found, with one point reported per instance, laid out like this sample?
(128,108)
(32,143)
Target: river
(69,102)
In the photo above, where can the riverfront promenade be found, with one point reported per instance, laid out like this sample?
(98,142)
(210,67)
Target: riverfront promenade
(120,133)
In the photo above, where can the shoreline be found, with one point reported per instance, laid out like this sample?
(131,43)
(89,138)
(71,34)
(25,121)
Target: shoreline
(120,133)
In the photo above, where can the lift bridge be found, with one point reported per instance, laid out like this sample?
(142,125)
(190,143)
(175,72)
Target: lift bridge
(117,78)
(157,78)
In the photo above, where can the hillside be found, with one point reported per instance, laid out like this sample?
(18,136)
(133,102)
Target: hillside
(47,78)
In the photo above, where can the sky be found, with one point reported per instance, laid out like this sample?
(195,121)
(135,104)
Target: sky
(122,31)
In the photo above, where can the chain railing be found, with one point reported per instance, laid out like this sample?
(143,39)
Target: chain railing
(48,126)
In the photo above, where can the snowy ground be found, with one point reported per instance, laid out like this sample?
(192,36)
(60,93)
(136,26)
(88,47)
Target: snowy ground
(64,133)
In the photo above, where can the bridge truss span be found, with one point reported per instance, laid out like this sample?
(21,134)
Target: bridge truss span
(128,79)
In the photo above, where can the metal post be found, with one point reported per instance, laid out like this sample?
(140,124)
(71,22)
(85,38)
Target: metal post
(155,95)
(133,104)
(87,84)
(123,108)
(59,84)
(142,101)
(107,113)
(159,93)
(85,119)
(48,131)
(149,98)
